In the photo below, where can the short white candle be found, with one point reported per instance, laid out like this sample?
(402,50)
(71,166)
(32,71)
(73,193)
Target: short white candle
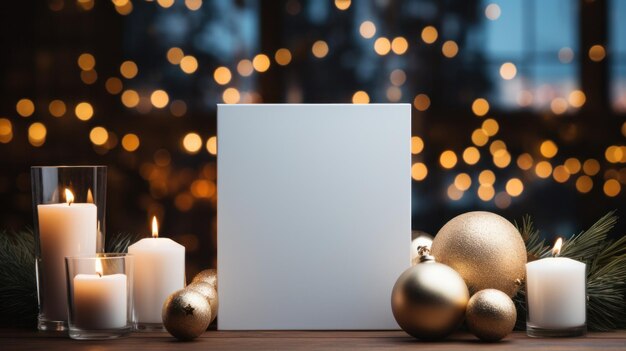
(65,229)
(100,301)
(159,271)
(556,293)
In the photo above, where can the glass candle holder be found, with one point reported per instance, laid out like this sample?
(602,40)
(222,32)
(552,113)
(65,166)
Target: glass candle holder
(99,296)
(69,214)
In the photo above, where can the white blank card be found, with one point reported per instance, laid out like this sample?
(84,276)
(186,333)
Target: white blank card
(314,214)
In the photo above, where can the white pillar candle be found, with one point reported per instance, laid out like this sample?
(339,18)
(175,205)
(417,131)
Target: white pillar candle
(159,271)
(556,293)
(65,229)
(100,301)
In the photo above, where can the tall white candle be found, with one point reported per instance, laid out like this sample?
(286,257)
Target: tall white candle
(65,229)
(100,301)
(556,293)
(159,271)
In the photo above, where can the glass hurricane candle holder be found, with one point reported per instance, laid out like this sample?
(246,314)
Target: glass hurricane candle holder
(99,296)
(69,215)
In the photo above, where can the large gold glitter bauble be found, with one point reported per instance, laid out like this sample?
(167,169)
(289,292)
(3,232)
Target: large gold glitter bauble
(208,291)
(490,315)
(419,238)
(486,250)
(429,299)
(207,275)
(186,314)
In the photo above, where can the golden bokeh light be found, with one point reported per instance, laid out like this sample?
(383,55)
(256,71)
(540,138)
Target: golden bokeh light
(524,98)
(174,55)
(222,75)
(486,192)
(584,184)
(591,167)
(558,105)
(85,5)
(367,29)
(454,193)
(419,171)
(480,107)
(421,102)
(86,61)
(612,188)
(548,149)
(502,200)
(525,161)
(128,69)
(566,55)
(479,137)
(178,108)
(37,134)
(399,45)
(394,94)
(159,98)
(57,108)
(397,77)
(497,145)
(25,107)
(543,169)
(130,98)
(486,177)
(192,143)
(572,165)
(89,77)
(560,174)
(343,4)
(165,3)
(231,96)
(113,85)
(245,68)
(597,53)
(6,130)
(188,64)
(130,142)
(450,49)
(448,159)
(577,98)
(98,136)
(319,49)
(382,46)
(462,181)
(261,63)
(360,97)
(193,5)
(501,158)
(203,188)
(471,155)
(124,9)
(491,127)
(417,145)
(508,71)
(614,154)
(514,187)
(493,12)
(211,145)
(83,111)
(429,34)
(282,57)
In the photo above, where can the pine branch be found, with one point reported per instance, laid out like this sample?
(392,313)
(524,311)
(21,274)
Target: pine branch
(587,244)
(535,246)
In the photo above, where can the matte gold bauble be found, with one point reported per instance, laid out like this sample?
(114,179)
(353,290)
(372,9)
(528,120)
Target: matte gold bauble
(429,299)
(486,250)
(419,238)
(208,291)
(207,275)
(490,315)
(186,314)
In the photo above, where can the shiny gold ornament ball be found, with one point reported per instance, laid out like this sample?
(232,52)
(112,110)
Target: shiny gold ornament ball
(486,250)
(490,315)
(208,291)
(207,275)
(429,299)
(186,314)
(419,239)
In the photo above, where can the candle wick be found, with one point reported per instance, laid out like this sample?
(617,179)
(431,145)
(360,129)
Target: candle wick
(99,274)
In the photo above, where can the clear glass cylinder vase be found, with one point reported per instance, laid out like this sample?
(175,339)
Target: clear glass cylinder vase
(69,207)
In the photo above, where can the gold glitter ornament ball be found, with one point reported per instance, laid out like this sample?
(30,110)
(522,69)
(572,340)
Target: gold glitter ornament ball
(490,315)
(208,291)
(207,275)
(486,250)
(186,314)
(429,299)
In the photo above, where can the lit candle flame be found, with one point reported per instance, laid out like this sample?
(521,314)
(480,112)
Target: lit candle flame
(155,228)
(99,269)
(556,250)
(69,197)
(89,196)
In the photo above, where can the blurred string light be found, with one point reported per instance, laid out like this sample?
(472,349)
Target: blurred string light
(508,71)
(188,64)
(128,69)
(343,4)
(417,145)
(192,143)
(525,161)
(245,68)
(450,49)
(25,107)
(572,165)
(543,169)
(577,98)
(448,159)
(193,5)
(548,149)
(486,177)
(558,105)
(113,85)
(360,97)
(85,5)
(231,96)
(591,167)
(6,130)
(612,187)
(211,145)
(57,108)
(566,55)
(480,107)
(584,184)
(367,29)
(597,53)
(419,171)
(320,49)
(282,57)
(159,98)
(261,63)
(178,108)
(397,77)
(37,134)
(394,94)
(454,193)
(479,137)
(429,34)
(83,111)
(99,136)
(123,7)
(490,126)
(471,155)
(502,200)
(493,12)
(560,174)
(462,181)
(86,61)
(130,98)
(89,77)
(130,142)
(382,46)
(399,45)
(174,55)
(486,192)
(421,102)
(514,187)
(165,3)
(222,75)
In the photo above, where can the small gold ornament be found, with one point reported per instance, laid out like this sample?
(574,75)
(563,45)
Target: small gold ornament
(429,299)
(186,314)
(490,315)
(420,238)
(207,275)
(208,291)
(486,250)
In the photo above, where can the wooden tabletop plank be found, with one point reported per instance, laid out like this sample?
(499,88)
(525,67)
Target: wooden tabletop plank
(305,340)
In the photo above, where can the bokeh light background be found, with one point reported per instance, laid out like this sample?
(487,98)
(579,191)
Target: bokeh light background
(519,106)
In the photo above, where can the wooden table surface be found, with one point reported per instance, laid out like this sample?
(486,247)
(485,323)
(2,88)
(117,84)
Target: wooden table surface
(304,340)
